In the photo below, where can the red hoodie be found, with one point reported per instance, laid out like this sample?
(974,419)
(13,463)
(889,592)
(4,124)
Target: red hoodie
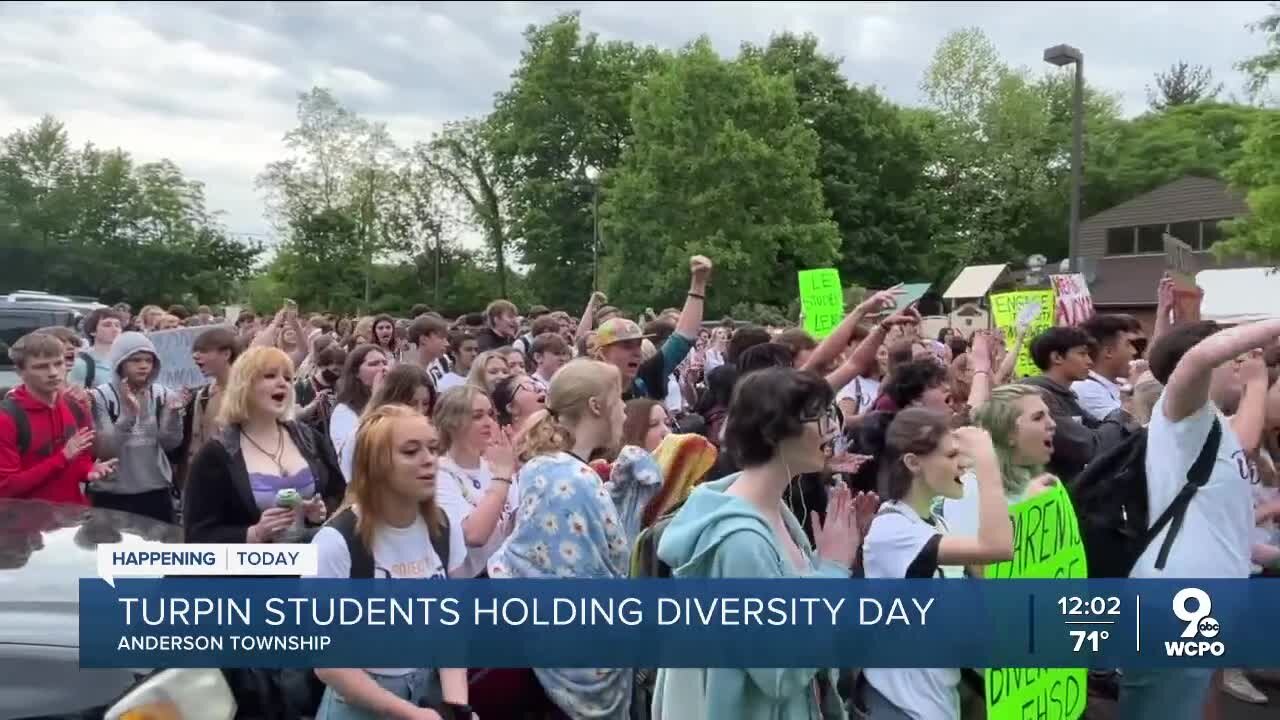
(43,473)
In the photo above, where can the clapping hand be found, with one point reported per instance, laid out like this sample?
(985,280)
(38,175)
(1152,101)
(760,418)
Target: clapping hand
(838,538)
(314,509)
(178,400)
(102,469)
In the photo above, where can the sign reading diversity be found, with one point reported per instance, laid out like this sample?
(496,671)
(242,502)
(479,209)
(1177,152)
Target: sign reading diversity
(1006,309)
(821,300)
(1075,304)
(173,347)
(1046,545)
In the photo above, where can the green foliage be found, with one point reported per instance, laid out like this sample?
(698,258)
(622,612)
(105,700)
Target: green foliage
(1261,67)
(1257,172)
(568,108)
(93,222)
(720,164)
(871,162)
(762,314)
(1182,84)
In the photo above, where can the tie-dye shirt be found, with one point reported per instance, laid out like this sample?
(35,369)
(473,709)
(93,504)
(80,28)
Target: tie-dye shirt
(567,527)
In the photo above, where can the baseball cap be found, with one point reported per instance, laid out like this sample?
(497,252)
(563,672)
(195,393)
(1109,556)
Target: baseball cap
(619,330)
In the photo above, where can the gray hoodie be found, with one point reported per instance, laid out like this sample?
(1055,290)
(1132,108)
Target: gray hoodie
(139,440)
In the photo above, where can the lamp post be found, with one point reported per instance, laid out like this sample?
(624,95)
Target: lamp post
(1061,55)
(593,175)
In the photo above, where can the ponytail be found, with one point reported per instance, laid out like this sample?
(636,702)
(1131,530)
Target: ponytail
(545,436)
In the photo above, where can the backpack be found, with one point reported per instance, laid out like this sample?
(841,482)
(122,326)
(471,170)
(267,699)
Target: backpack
(91,368)
(362,565)
(112,405)
(1110,499)
(22,423)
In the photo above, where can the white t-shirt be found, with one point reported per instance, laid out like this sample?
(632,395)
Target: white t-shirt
(458,492)
(862,390)
(399,553)
(962,514)
(1214,539)
(901,544)
(449,381)
(1097,395)
(342,433)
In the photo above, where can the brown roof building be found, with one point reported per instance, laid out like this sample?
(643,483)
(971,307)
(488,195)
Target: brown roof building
(1123,248)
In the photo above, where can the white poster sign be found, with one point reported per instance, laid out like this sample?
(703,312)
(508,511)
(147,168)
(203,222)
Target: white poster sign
(177,368)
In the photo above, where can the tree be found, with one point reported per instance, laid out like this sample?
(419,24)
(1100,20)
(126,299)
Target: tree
(1256,236)
(96,223)
(568,108)
(721,164)
(459,158)
(871,162)
(1261,67)
(1182,84)
(1000,147)
(338,164)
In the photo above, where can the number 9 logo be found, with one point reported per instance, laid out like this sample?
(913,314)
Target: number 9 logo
(1193,618)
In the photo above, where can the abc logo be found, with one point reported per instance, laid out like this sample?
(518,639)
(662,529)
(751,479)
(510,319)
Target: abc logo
(1192,606)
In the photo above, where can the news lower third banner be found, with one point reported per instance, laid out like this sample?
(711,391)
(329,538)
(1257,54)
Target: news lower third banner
(272,622)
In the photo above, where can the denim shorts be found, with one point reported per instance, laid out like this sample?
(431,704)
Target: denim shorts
(415,687)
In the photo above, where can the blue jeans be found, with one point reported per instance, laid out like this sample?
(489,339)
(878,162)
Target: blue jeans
(415,687)
(1163,694)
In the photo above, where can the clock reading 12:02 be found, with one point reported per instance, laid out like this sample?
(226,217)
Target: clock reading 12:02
(1089,606)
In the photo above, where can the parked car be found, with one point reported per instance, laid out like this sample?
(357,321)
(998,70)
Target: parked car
(45,549)
(18,319)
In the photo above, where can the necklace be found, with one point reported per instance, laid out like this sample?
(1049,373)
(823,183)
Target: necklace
(277,456)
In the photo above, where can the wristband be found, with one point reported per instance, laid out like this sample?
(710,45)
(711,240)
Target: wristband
(700,296)
(500,479)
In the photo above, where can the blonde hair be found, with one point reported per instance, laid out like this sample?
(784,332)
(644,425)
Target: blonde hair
(478,377)
(144,312)
(647,349)
(999,416)
(251,366)
(568,399)
(364,329)
(453,412)
(371,469)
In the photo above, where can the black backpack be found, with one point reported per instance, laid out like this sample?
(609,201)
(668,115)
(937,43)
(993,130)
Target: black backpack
(22,423)
(362,565)
(1110,499)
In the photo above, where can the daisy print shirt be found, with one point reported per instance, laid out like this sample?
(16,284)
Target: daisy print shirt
(567,527)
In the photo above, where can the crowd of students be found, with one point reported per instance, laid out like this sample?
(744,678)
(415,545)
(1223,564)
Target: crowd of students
(544,447)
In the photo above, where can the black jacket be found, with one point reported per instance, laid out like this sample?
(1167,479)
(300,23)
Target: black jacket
(218,505)
(1079,437)
(487,339)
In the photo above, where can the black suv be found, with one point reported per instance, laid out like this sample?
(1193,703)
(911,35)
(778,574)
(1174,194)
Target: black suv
(18,319)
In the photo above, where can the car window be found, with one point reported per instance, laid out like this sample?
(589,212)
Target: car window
(16,323)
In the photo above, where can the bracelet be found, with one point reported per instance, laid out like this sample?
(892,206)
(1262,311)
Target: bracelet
(981,372)
(501,480)
(700,296)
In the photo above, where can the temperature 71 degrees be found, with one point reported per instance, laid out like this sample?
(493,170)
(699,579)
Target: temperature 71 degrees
(1093,637)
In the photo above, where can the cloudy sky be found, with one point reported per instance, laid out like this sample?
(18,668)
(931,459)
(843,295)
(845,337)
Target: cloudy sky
(213,85)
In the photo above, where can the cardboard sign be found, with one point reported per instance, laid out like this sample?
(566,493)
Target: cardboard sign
(821,301)
(173,348)
(1006,308)
(1046,545)
(1075,304)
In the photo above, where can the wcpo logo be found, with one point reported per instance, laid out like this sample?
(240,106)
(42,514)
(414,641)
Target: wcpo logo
(1199,624)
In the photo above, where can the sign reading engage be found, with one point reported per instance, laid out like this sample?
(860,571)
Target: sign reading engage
(1046,545)
(1006,307)
(821,300)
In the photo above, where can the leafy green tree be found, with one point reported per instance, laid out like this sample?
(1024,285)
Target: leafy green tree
(871,162)
(460,161)
(1260,68)
(567,109)
(721,164)
(1257,173)
(92,222)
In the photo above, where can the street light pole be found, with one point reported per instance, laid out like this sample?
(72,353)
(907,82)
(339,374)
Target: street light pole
(593,175)
(1066,55)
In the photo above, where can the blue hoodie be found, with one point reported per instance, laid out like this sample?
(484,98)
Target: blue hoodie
(716,535)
